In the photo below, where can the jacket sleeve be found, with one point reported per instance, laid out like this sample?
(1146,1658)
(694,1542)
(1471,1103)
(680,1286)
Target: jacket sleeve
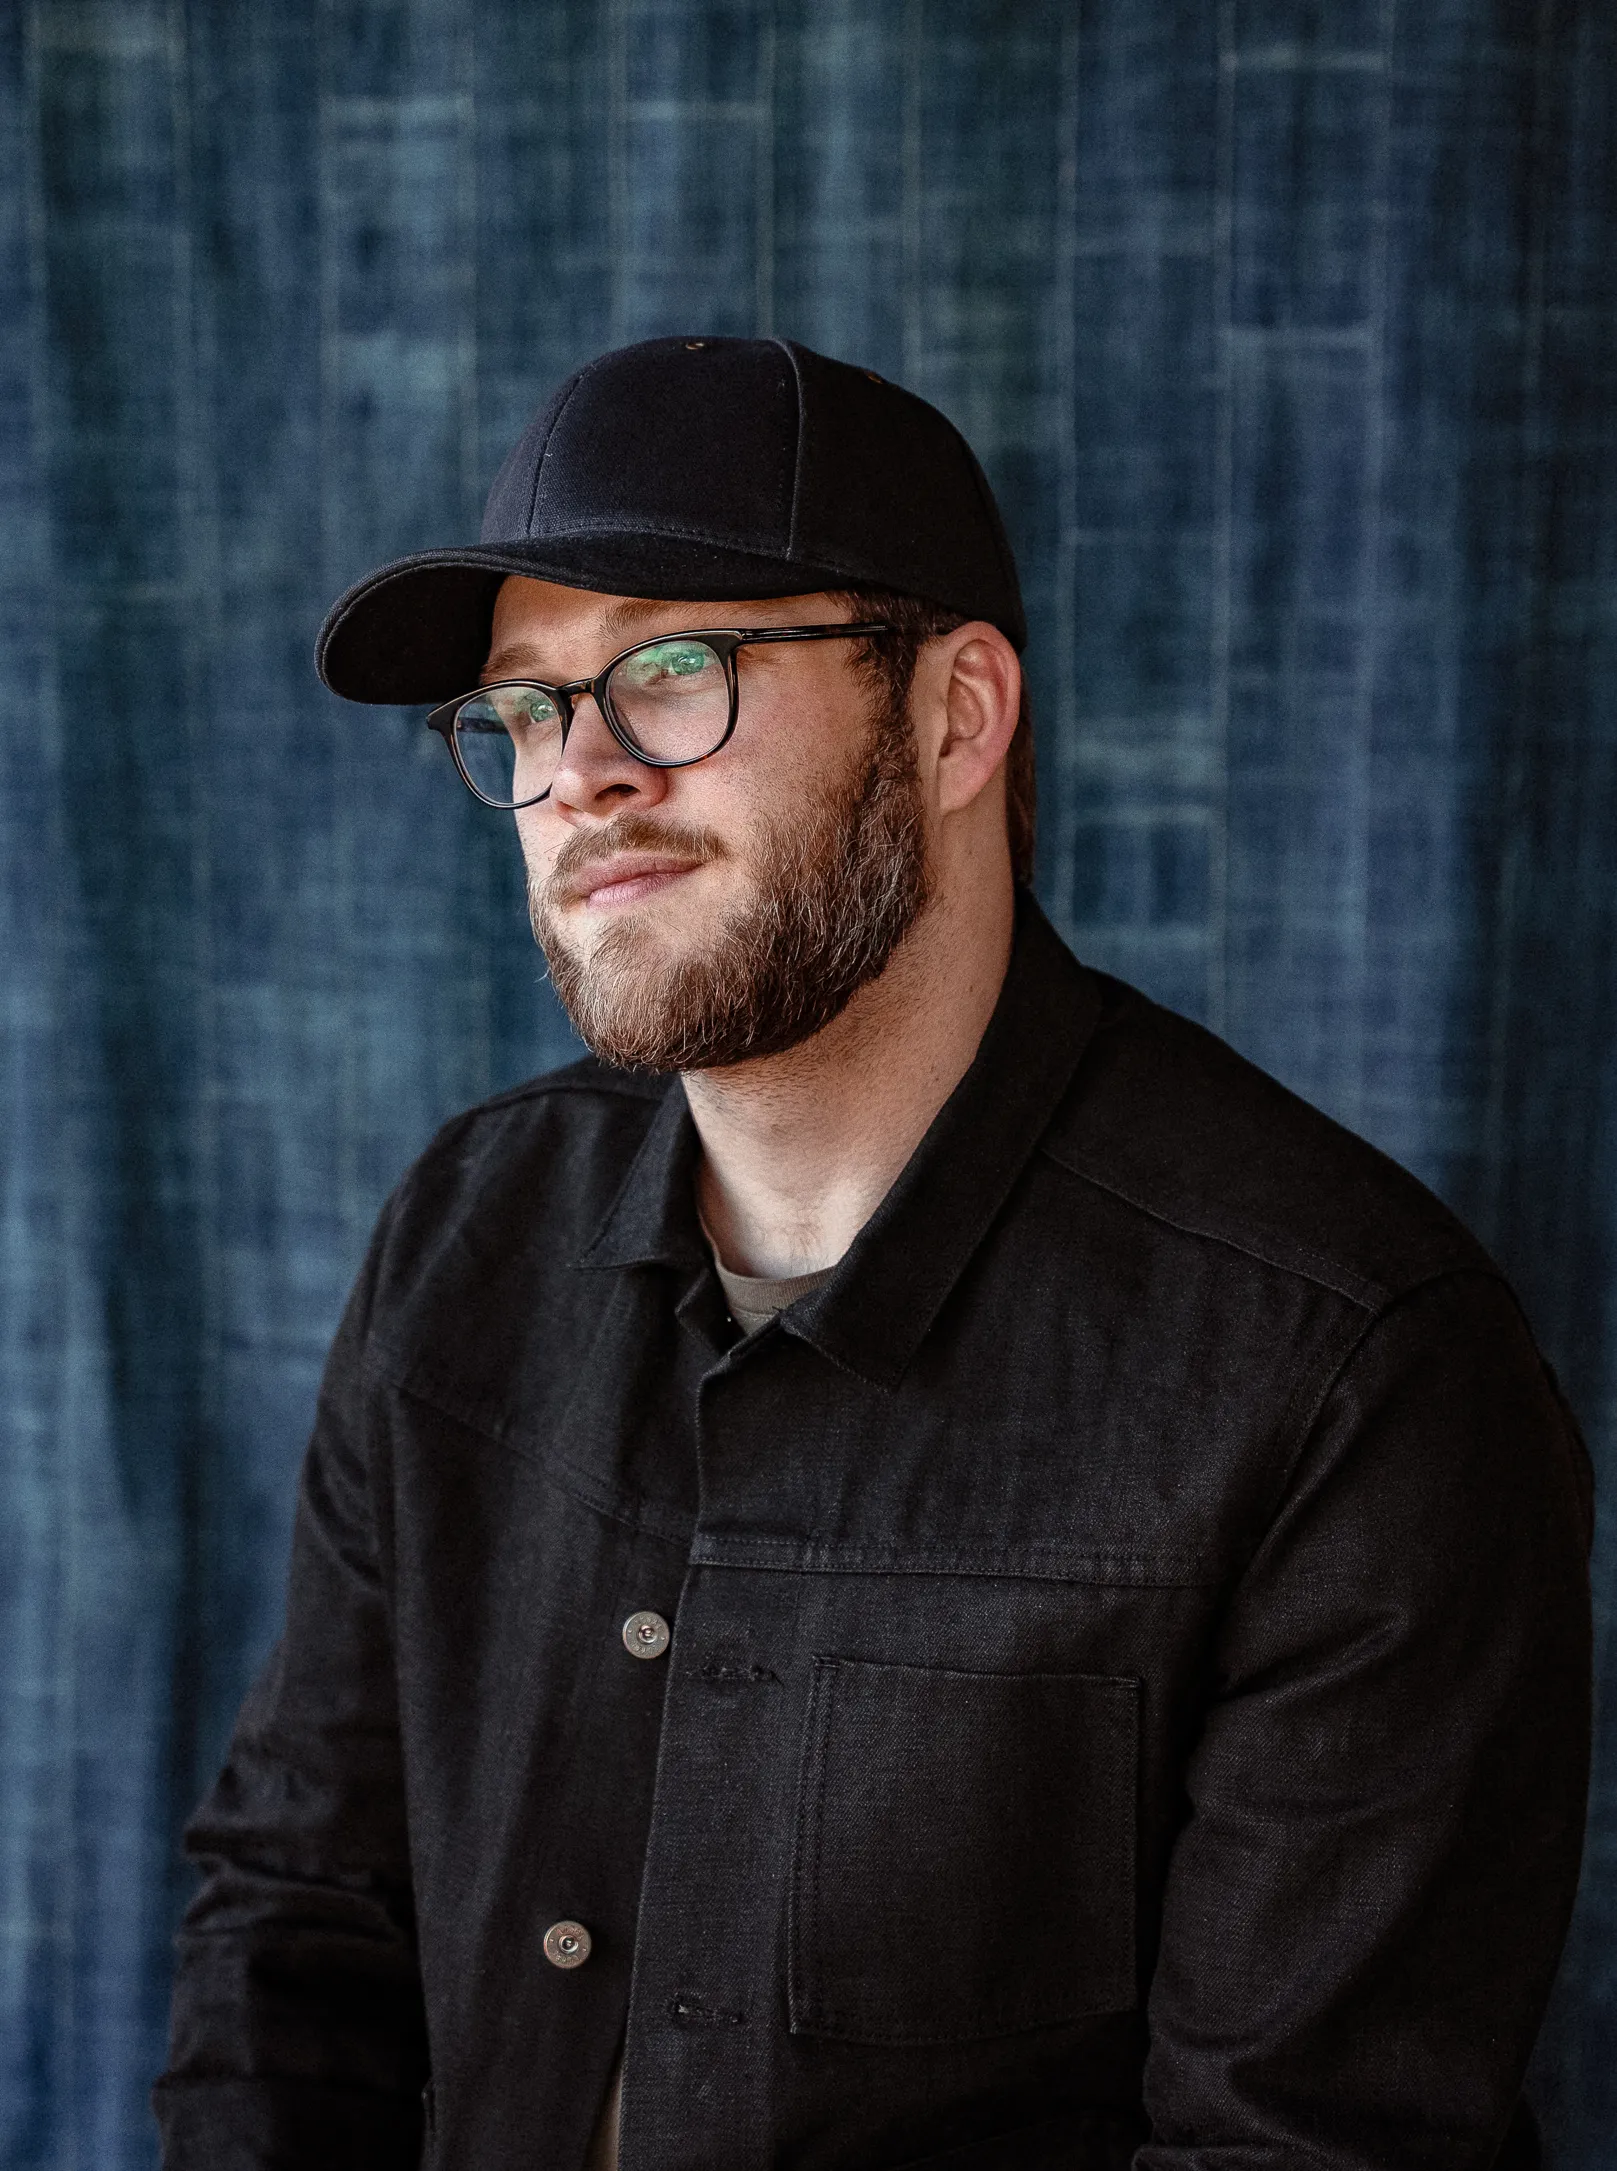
(1384,1810)
(297,2036)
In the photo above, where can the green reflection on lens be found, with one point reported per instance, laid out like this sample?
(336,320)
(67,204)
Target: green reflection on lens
(534,707)
(648,669)
(508,709)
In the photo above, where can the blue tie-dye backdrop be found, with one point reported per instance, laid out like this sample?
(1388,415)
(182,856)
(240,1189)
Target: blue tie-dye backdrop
(1287,330)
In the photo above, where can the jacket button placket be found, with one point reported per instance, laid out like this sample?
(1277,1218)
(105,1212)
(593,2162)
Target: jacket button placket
(705,1969)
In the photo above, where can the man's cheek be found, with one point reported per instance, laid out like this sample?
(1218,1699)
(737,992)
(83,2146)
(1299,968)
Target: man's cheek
(538,851)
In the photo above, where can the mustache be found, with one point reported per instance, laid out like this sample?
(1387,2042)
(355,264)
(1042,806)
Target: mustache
(630,833)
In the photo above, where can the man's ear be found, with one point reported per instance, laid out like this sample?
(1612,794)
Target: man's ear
(977,682)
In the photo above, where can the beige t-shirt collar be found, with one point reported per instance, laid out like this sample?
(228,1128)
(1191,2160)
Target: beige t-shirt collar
(754,1299)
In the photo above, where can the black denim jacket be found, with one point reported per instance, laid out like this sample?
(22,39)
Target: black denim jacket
(1128,1689)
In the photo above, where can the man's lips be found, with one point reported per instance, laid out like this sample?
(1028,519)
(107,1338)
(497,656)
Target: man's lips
(626,878)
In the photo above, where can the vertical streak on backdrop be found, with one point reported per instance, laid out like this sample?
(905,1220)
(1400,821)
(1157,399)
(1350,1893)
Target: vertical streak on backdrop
(1286,331)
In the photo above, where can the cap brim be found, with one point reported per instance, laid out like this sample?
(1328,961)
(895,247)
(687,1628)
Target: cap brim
(418,630)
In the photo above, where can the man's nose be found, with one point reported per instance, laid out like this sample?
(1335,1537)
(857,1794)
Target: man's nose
(596,775)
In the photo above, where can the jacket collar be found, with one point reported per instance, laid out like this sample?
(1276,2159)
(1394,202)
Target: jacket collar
(871,1315)
(652,1221)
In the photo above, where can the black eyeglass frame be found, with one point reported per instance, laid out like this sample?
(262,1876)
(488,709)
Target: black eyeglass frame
(724,641)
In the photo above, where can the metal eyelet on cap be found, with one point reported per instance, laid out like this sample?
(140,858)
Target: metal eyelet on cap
(645,1635)
(567,1944)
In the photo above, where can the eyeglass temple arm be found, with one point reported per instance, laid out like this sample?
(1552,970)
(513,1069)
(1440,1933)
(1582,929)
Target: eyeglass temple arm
(752,634)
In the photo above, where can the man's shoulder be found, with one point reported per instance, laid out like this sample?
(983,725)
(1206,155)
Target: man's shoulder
(578,1092)
(1170,1119)
(556,1147)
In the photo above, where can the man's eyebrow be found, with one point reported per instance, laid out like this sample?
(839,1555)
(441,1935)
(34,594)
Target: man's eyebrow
(618,625)
(507,662)
(632,611)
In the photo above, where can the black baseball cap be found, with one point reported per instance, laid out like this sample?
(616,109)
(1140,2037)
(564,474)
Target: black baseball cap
(701,470)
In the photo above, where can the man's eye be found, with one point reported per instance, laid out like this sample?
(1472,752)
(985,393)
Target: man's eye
(520,708)
(670,660)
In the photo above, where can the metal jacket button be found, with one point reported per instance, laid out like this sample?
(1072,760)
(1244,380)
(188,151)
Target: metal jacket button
(645,1635)
(567,1944)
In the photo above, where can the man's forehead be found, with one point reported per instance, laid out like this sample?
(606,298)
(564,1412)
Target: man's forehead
(535,620)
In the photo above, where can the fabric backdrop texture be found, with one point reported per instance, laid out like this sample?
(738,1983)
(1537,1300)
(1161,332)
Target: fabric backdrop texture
(1287,331)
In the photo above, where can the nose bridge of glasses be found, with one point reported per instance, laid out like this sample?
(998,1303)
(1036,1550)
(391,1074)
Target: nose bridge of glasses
(568,693)
(568,699)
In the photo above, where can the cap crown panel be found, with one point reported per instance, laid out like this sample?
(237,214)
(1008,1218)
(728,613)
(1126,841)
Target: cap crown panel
(716,431)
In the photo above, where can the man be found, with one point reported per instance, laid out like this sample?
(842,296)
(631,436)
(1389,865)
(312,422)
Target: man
(918,1565)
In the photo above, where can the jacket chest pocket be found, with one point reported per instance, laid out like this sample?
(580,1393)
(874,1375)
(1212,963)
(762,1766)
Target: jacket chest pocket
(964,1856)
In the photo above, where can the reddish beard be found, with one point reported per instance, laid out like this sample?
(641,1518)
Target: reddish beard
(835,890)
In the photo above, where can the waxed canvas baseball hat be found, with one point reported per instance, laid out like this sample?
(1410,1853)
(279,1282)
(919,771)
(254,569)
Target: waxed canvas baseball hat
(701,470)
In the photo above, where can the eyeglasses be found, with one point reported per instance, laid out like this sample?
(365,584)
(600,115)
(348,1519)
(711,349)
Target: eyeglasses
(668,702)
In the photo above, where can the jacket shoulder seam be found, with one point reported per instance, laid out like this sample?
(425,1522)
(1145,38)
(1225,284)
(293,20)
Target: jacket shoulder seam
(1312,1410)
(559,1082)
(1284,1254)
(532,1089)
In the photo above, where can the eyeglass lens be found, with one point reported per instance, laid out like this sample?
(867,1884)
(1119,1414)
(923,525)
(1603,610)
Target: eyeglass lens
(670,701)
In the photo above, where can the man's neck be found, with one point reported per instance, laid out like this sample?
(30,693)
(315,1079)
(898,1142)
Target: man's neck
(799,1149)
